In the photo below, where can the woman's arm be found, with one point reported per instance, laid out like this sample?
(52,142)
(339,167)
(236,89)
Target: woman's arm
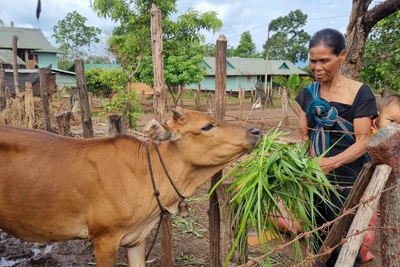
(362,130)
(303,126)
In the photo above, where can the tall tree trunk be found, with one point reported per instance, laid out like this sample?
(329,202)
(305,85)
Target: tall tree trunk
(361,23)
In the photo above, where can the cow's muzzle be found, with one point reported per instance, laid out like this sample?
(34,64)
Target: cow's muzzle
(255,135)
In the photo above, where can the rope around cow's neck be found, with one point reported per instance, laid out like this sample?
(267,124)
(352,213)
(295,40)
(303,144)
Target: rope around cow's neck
(156,192)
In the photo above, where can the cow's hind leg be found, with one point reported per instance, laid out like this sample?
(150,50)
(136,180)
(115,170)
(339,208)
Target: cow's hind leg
(136,255)
(106,251)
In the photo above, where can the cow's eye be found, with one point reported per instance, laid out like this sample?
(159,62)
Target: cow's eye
(208,127)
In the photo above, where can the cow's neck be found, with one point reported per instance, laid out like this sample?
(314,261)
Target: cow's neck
(186,177)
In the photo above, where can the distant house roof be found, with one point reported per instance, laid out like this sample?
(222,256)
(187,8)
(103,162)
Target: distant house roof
(28,38)
(6,57)
(253,66)
(88,66)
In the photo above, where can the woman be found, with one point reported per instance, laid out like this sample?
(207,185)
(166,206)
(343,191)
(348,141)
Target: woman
(335,113)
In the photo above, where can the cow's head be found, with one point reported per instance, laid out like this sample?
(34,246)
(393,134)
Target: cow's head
(203,140)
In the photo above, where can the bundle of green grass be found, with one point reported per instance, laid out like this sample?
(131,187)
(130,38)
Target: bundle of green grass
(276,174)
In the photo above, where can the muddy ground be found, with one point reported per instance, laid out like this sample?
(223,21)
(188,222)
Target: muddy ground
(190,235)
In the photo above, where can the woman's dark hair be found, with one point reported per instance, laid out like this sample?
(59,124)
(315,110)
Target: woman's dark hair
(330,38)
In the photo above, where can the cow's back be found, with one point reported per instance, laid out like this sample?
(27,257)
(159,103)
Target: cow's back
(36,185)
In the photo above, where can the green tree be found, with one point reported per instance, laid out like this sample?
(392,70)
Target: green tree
(1,23)
(211,50)
(246,47)
(289,42)
(293,84)
(362,20)
(104,82)
(130,42)
(181,67)
(72,34)
(381,62)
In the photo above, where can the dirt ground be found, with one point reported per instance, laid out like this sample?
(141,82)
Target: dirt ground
(190,235)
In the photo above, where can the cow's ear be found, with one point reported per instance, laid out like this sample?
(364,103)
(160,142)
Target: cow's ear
(178,114)
(157,132)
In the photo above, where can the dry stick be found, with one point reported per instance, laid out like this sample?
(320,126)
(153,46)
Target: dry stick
(328,251)
(363,216)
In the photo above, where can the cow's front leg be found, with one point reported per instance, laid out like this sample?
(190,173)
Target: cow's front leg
(106,251)
(136,255)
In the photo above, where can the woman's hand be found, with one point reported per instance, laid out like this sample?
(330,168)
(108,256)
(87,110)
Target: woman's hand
(328,164)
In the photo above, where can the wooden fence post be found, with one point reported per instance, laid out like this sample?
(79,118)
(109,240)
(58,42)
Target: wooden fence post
(197,99)
(64,122)
(228,229)
(44,94)
(214,212)
(241,97)
(160,93)
(83,99)
(159,103)
(384,148)
(115,124)
(29,105)
(284,100)
(3,100)
(15,65)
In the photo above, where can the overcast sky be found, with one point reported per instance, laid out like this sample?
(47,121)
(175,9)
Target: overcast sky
(237,15)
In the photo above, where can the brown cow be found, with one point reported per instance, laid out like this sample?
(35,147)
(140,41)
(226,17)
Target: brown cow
(55,188)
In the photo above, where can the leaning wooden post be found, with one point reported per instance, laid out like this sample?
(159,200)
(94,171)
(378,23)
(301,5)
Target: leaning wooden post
(219,113)
(363,216)
(3,100)
(384,148)
(44,94)
(338,229)
(83,99)
(159,103)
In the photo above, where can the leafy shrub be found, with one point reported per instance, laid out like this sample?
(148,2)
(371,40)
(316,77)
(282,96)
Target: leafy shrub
(127,104)
(105,82)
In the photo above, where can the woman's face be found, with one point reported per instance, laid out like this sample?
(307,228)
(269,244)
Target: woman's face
(324,64)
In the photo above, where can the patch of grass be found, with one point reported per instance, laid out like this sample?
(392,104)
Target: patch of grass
(187,227)
(190,260)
